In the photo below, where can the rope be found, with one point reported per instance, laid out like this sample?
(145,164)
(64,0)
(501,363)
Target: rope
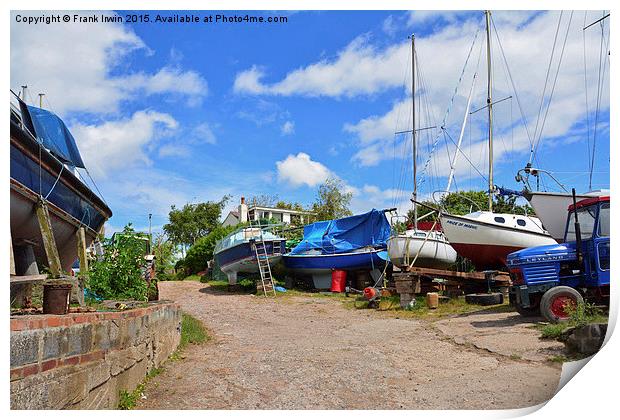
(55,182)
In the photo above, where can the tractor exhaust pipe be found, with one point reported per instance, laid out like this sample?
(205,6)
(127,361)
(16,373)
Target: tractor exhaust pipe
(577,231)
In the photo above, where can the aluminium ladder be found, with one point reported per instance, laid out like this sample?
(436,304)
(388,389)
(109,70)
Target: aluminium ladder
(262,259)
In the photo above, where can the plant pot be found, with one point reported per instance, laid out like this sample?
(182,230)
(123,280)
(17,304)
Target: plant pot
(56,298)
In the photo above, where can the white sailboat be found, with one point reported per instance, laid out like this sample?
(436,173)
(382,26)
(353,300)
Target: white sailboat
(416,247)
(485,237)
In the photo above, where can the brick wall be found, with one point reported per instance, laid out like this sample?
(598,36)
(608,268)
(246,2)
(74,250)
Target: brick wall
(84,360)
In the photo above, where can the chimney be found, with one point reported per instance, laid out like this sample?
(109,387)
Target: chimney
(243,211)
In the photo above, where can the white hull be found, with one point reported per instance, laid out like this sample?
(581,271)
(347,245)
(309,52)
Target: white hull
(486,241)
(436,252)
(246,265)
(552,209)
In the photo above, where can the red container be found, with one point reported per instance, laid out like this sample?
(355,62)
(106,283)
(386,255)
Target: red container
(339,280)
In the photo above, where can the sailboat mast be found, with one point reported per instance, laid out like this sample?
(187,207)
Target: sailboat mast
(414,148)
(489,106)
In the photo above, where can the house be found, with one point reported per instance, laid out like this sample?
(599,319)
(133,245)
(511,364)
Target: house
(255,213)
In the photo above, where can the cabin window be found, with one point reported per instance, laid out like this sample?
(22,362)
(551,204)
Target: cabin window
(603,220)
(521,222)
(587,217)
(500,219)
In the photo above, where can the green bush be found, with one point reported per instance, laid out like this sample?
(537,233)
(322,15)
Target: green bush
(202,250)
(118,274)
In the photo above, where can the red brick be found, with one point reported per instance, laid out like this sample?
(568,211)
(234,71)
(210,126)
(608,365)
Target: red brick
(73,360)
(54,321)
(79,319)
(95,355)
(49,364)
(19,324)
(17,373)
(31,369)
(37,323)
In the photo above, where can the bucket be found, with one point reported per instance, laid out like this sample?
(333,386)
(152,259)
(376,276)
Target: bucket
(56,298)
(432,300)
(339,279)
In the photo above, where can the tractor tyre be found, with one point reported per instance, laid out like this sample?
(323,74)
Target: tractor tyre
(553,305)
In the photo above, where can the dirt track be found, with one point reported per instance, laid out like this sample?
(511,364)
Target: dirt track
(312,353)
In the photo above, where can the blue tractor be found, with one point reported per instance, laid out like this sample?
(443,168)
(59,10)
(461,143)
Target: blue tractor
(546,280)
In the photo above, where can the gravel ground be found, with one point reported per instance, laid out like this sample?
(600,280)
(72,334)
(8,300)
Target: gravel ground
(313,353)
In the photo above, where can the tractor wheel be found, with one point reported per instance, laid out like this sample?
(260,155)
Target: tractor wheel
(553,305)
(485,299)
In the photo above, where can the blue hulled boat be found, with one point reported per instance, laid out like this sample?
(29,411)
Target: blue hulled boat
(352,244)
(236,253)
(43,158)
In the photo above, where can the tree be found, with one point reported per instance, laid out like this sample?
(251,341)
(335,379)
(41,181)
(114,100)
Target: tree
(263,200)
(202,251)
(193,221)
(289,206)
(331,201)
(163,249)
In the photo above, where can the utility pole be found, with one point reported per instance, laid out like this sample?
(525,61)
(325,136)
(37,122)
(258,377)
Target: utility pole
(487,14)
(41,95)
(24,87)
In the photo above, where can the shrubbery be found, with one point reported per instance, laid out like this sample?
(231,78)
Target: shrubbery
(118,274)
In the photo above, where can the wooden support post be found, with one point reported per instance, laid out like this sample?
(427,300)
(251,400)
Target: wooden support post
(49,242)
(13,272)
(81,252)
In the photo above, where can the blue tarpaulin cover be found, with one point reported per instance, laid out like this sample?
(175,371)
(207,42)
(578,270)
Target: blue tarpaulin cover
(52,132)
(346,234)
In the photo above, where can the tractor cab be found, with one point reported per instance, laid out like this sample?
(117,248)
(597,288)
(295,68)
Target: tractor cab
(548,278)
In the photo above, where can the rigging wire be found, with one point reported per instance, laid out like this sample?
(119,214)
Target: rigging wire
(585,83)
(451,103)
(603,65)
(516,94)
(542,96)
(537,142)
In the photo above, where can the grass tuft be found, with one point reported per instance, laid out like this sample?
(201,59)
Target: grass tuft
(192,331)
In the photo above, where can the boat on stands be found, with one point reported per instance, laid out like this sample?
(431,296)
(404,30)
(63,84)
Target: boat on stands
(551,207)
(355,243)
(417,247)
(237,252)
(484,237)
(43,167)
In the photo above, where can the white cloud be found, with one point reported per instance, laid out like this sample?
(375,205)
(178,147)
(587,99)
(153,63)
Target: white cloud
(80,67)
(389,25)
(287,128)
(121,143)
(300,169)
(203,133)
(527,39)
(359,69)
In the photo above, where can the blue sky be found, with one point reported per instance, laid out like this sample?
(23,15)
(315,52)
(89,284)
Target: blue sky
(169,114)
